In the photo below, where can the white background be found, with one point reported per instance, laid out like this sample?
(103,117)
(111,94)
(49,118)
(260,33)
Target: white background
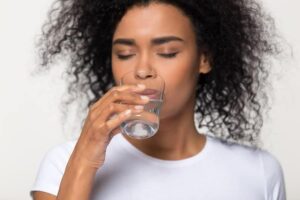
(30,119)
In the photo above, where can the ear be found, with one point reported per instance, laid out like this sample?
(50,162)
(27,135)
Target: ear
(204,64)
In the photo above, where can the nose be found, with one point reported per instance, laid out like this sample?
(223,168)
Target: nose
(145,73)
(144,70)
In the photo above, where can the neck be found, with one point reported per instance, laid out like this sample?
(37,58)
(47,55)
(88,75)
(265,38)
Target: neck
(177,138)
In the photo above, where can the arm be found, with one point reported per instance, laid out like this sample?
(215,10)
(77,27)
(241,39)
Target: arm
(38,195)
(89,153)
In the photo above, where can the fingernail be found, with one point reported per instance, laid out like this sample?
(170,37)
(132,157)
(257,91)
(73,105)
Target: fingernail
(142,86)
(127,112)
(144,97)
(139,107)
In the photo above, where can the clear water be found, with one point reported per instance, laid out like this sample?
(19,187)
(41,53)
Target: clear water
(144,125)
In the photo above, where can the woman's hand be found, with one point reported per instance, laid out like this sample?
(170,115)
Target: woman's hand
(103,121)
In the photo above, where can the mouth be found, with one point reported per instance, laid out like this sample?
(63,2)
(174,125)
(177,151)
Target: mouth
(151,93)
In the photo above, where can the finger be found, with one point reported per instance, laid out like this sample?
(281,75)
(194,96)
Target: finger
(115,131)
(113,109)
(113,123)
(128,98)
(125,98)
(114,92)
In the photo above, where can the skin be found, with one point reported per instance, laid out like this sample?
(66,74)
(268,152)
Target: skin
(177,137)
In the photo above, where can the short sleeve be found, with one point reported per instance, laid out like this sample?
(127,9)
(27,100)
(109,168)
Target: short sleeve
(274,177)
(52,168)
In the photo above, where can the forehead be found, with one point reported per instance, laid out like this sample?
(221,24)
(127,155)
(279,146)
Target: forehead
(154,20)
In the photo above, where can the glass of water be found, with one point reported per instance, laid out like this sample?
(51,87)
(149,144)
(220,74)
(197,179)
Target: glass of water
(146,123)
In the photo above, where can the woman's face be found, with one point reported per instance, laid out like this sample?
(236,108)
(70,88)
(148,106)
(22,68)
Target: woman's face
(159,39)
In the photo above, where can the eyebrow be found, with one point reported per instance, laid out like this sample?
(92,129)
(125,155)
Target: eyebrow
(155,41)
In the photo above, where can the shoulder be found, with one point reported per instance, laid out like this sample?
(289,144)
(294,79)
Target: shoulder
(56,158)
(52,167)
(273,175)
(257,162)
(54,162)
(59,154)
(234,151)
(270,164)
(261,156)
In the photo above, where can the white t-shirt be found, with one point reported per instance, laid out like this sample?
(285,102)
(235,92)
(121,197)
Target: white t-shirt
(218,172)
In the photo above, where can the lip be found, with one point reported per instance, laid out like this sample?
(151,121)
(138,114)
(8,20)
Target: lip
(151,93)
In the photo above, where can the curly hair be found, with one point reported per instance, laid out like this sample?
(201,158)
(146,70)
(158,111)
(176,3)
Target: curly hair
(237,35)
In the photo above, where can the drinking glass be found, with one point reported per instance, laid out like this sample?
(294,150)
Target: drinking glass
(146,123)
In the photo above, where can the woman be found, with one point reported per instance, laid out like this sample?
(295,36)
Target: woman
(211,55)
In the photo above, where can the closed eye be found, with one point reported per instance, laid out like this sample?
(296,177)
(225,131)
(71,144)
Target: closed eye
(124,57)
(170,55)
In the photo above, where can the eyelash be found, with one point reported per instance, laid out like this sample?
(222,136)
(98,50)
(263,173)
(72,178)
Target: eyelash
(171,55)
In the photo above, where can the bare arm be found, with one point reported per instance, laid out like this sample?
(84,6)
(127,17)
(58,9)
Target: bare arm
(89,153)
(43,196)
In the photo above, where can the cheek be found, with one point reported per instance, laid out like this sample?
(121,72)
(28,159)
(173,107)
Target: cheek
(179,85)
(118,71)
(178,94)
(181,76)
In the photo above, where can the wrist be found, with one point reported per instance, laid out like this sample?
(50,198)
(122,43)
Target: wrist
(82,165)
